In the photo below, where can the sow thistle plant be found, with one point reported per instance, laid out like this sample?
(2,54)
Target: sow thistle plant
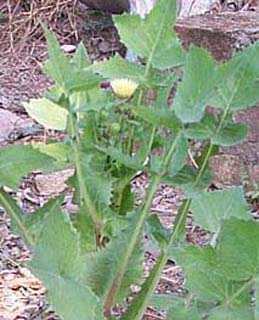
(88,261)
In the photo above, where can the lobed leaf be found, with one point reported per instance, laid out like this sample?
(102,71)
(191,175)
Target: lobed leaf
(58,263)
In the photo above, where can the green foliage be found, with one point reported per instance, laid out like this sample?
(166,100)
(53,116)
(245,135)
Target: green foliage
(210,209)
(196,87)
(18,161)
(47,113)
(89,261)
(63,268)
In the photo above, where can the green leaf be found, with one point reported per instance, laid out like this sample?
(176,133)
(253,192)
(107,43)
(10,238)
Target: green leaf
(103,265)
(206,279)
(197,85)
(180,311)
(117,67)
(84,226)
(156,230)
(210,209)
(186,179)
(163,301)
(161,47)
(58,263)
(162,116)
(57,150)
(202,130)
(17,161)
(238,81)
(228,313)
(80,58)
(257,297)
(66,74)
(238,249)
(47,113)
(230,135)
(179,156)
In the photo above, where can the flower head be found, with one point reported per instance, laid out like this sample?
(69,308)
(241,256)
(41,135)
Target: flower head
(124,88)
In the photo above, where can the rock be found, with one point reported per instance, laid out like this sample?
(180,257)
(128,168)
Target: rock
(110,6)
(7,124)
(54,183)
(220,34)
(68,48)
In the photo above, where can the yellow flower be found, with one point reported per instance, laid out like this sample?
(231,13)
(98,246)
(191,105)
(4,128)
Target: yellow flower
(124,88)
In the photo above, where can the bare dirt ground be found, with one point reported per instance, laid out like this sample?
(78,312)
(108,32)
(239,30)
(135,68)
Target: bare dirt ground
(22,51)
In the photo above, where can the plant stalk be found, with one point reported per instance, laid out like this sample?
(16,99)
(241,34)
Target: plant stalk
(85,197)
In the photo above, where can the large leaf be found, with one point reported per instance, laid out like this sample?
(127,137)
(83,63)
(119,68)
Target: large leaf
(58,263)
(17,161)
(206,279)
(181,311)
(152,37)
(210,209)
(47,113)
(238,249)
(238,81)
(197,85)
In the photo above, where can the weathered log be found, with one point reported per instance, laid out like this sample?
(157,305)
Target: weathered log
(221,34)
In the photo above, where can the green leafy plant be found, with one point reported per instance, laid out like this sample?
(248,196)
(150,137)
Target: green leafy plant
(88,261)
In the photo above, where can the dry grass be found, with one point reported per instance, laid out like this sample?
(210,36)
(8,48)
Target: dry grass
(23,17)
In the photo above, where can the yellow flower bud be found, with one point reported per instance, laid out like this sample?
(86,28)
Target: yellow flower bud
(124,88)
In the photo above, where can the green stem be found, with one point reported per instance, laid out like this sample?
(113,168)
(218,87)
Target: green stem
(85,197)
(109,301)
(11,210)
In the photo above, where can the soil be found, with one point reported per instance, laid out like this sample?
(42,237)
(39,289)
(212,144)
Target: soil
(22,296)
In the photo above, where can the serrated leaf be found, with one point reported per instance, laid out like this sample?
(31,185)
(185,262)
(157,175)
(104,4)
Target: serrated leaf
(161,47)
(164,301)
(67,75)
(17,161)
(196,87)
(238,81)
(230,135)
(47,113)
(210,209)
(104,265)
(238,249)
(58,263)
